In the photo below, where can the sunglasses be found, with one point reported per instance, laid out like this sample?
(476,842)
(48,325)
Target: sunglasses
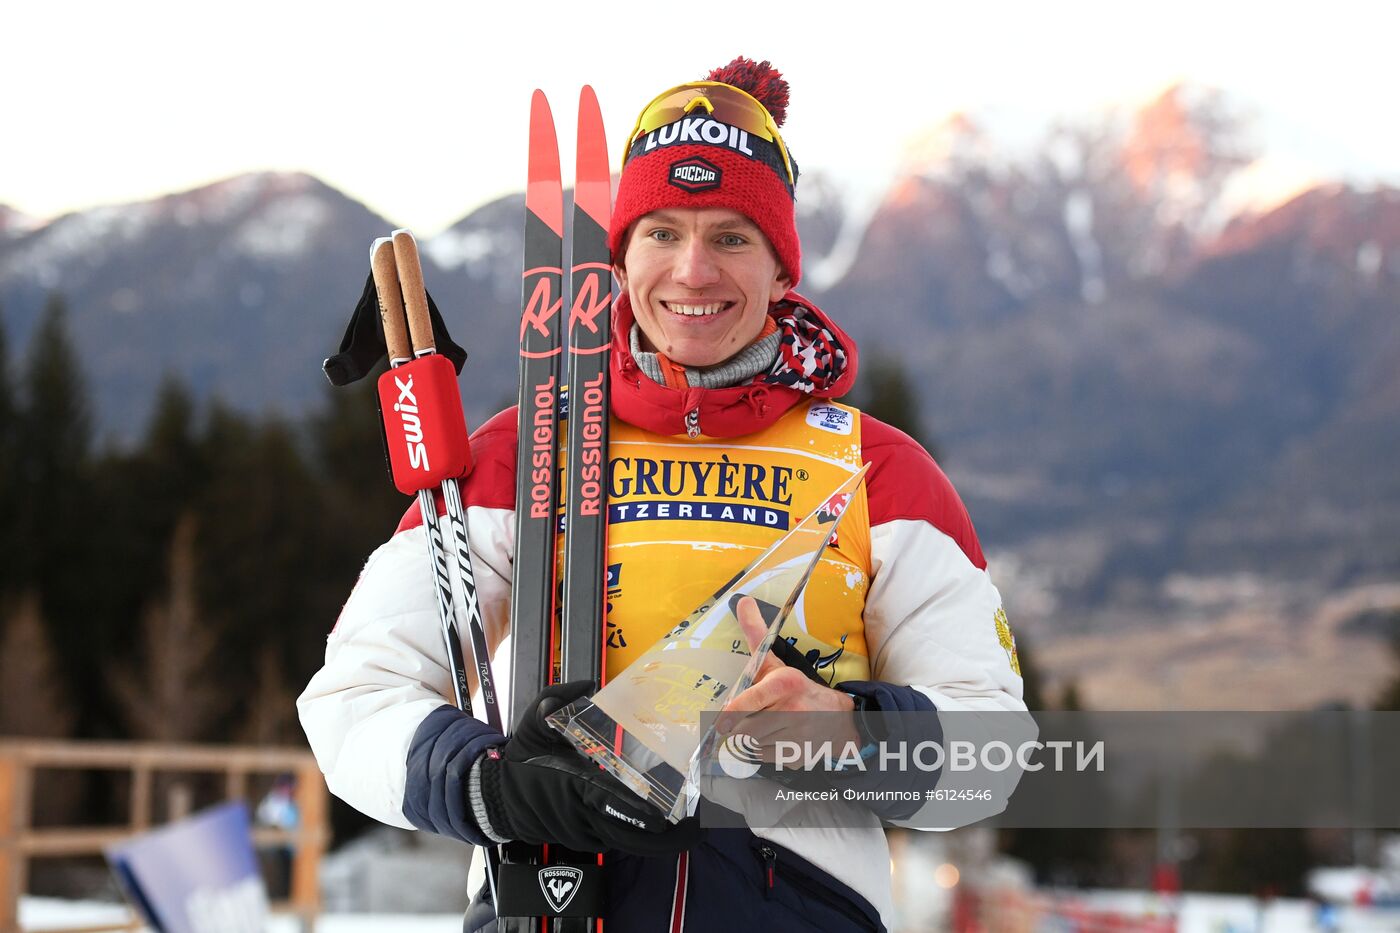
(722,102)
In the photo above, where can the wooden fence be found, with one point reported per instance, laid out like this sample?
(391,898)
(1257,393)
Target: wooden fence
(20,842)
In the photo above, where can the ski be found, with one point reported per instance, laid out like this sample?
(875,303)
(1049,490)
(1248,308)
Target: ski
(577,641)
(532,595)
(590,336)
(582,625)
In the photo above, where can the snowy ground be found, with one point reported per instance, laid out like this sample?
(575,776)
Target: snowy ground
(1199,913)
(40,913)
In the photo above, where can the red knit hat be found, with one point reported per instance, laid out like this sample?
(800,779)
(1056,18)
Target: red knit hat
(699,160)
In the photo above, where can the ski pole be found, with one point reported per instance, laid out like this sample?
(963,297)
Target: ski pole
(410,274)
(403,308)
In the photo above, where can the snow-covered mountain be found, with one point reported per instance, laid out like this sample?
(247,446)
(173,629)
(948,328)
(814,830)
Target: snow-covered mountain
(236,286)
(1126,374)
(13,223)
(1156,359)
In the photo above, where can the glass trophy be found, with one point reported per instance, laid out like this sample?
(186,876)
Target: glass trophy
(644,727)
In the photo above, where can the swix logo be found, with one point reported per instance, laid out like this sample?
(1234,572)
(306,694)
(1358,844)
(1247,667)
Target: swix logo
(592,299)
(540,309)
(407,407)
(699,130)
(694,174)
(542,448)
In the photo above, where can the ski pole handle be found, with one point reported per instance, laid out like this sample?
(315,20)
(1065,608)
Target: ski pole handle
(391,314)
(415,296)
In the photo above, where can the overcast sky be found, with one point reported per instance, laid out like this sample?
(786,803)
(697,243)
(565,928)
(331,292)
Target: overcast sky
(420,109)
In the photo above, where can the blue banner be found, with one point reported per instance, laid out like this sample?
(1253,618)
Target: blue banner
(199,875)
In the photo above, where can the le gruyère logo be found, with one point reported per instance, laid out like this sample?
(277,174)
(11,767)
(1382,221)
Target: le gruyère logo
(723,490)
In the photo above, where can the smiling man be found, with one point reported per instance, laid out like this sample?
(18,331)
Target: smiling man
(701,282)
(725,432)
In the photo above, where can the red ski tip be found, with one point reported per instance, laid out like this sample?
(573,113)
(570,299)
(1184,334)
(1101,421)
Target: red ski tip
(593,184)
(542,195)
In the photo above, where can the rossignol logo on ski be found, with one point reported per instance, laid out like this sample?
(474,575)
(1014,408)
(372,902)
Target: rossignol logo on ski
(407,407)
(540,311)
(559,885)
(542,447)
(695,174)
(697,130)
(591,300)
(591,456)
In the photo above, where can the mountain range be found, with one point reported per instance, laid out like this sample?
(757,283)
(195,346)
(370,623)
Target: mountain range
(1132,382)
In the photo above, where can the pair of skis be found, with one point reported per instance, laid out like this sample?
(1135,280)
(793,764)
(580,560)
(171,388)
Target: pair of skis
(576,641)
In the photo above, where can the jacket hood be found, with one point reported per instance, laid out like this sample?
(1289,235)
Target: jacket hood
(817,360)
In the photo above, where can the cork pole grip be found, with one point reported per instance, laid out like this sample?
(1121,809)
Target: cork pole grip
(415,298)
(386,285)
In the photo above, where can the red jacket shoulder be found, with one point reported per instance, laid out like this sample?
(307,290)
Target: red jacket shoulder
(904,482)
(491,483)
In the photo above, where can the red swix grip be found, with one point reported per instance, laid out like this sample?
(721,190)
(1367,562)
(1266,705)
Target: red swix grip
(424,427)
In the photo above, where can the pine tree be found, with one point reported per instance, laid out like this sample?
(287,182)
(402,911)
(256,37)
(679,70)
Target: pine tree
(173,694)
(57,422)
(348,453)
(53,444)
(265,523)
(1057,856)
(271,717)
(9,475)
(1390,697)
(1070,700)
(143,493)
(35,703)
(32,699)
(1032,693)
(171,446)
(889,396)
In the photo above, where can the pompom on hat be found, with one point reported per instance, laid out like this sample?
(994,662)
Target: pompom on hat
(715,143)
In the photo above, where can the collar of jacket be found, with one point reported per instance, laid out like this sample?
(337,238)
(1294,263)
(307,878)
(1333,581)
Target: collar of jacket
(730,412)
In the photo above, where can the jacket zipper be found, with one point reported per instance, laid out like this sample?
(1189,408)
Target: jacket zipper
(772,871)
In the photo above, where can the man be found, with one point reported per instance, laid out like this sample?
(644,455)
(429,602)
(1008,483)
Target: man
(724,429)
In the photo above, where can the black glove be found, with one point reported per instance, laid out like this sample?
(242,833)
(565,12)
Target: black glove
(539,789)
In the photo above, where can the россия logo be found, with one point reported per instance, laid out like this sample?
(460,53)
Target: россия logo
(695,174)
